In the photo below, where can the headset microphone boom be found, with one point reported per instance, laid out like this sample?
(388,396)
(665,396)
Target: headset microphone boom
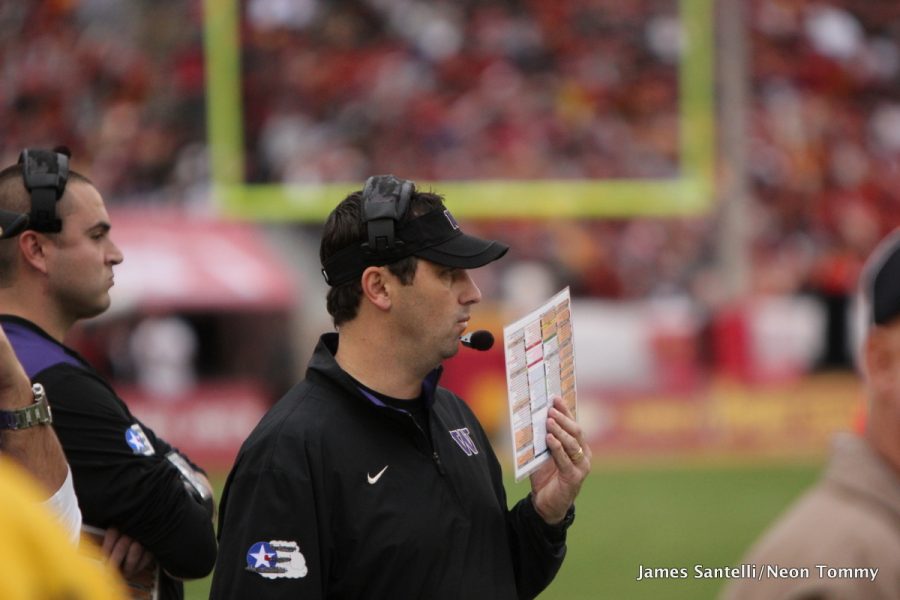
(478,340)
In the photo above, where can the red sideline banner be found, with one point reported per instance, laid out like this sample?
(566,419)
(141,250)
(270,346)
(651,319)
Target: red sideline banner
(207,423)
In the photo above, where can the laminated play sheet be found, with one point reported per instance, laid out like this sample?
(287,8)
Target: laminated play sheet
(540,364)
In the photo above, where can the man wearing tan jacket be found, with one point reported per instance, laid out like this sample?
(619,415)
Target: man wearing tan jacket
(842,538)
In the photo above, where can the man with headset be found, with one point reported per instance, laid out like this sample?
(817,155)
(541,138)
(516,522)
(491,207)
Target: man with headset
(25,432)
(153,507)
(368,480)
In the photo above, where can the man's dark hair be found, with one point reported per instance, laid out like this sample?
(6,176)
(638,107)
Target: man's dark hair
(344,228)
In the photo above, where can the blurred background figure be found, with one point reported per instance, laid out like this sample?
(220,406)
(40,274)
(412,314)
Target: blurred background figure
(163,350)
(842,536)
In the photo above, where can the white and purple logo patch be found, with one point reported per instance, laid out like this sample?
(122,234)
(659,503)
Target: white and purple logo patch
(464,440)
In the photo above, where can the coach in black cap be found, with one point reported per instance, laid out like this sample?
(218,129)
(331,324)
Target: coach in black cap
(843,534)
(368,480)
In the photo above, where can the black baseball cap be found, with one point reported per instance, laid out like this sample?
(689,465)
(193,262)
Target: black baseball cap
(881,280)
(434,236)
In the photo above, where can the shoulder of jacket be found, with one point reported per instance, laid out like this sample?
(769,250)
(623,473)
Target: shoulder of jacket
(71,389)
(448,402)
(299,414)
(36,352)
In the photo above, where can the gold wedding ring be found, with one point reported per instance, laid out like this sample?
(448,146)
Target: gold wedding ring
(576,458)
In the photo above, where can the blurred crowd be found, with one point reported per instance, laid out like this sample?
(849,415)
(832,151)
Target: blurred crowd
(120,83)
(824,146)
(461,90)
(488,89)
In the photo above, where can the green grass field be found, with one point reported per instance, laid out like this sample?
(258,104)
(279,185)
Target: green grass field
(673,516)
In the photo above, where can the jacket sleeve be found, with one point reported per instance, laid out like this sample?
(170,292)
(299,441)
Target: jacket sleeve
(537,549)
(269,536)
(122,477)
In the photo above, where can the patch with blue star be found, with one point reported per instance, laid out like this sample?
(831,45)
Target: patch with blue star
(276,559)
(138,441)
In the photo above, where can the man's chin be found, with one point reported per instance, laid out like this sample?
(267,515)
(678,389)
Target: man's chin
(98,309)
(451,351)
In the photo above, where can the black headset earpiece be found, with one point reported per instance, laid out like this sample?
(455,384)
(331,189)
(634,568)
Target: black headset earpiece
(45,173)
(12,224)
(385,201)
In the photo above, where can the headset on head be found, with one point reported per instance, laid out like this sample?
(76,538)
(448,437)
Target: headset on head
(385,201)
(45,173)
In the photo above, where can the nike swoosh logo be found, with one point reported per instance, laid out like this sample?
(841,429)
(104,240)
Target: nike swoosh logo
(375,479)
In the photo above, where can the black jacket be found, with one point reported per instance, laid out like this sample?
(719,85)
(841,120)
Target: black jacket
(336,495)
(119,466)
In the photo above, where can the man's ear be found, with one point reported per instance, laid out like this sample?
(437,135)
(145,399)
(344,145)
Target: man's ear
(32,245)
(881,363)
(375,287)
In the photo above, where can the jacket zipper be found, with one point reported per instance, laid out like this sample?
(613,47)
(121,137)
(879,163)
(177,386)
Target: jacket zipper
(434,453)
(435,457)
(438,463)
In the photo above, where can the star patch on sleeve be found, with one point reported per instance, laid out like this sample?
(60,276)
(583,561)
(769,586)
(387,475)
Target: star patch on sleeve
(276,559)
(138,441)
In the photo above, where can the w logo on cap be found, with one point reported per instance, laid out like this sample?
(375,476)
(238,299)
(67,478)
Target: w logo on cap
(464,440)
(450,218)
